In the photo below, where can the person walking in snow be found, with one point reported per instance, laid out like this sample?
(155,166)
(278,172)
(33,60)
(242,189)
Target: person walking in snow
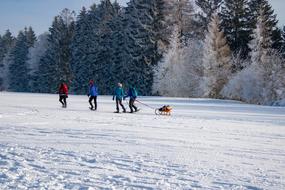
(132,93)
(92,94)
(63,94)
(119,94)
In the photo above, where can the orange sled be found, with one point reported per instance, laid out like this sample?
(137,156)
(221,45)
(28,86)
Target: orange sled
(165,110)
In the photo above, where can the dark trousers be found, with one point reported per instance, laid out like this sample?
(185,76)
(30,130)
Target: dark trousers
(131,104)
(93,98)
(62,100)
(119,102)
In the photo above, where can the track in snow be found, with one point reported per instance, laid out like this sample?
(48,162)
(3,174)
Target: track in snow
(205,144)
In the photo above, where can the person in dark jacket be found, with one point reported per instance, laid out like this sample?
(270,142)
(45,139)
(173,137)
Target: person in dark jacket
(63,94)
(119,95)
(92,94)
(132,93)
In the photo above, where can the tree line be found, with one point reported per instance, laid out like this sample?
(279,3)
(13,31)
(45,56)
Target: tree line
(162,47)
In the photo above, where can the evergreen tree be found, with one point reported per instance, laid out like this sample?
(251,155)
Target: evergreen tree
(208,8)
(106,12)
(237,25)
(35,54)
(258,6)
(31,37)
(283,44)
(92,46)
(216,60)
(185,21)
(142,43)
(18,69)
(80,44)
(7,41)
(54,66)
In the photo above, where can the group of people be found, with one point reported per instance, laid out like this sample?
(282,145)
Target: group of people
(119,95)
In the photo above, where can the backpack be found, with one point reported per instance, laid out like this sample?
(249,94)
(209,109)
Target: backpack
(134,92)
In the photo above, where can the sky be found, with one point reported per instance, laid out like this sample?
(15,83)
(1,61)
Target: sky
(16,14)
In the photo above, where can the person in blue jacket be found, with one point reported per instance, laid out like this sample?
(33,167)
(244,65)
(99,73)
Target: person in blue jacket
(119,95)
(132,93)
(92,94)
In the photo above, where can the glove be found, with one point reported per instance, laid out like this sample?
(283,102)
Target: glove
(124,98)
(113,98)
(66,96)
(88,95)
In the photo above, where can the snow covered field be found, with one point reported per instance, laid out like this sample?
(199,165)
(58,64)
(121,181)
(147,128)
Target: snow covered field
(205,144)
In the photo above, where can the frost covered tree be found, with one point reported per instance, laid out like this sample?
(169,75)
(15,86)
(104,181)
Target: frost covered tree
(54,66)
(35,54)
(179,72)
(186,21)
(258,6)
(237,25)
(216,60)
(208,8)
(263,81)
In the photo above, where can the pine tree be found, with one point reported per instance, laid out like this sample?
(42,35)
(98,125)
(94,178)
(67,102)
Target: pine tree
(35,55)
(54,66)
(80,44)
(258,6)
(6,43)
(283,44)
(185,20)
(106,12)
(18,69)
(92,46)
(237,25)
(31,37)
(216,60)
(208,8)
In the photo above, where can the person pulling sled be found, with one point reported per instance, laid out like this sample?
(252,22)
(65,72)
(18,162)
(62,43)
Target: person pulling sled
(63,94)
(92,94)
(132,93)
(118,95)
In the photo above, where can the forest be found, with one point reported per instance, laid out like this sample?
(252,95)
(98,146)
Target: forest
(223,49)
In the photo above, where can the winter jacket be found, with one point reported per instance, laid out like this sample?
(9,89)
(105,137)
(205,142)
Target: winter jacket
(119,93)
(93,90)
(132,93)
(63,89)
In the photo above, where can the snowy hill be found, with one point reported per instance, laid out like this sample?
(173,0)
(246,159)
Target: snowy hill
(205,144)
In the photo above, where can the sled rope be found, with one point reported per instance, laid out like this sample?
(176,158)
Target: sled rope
(145,104)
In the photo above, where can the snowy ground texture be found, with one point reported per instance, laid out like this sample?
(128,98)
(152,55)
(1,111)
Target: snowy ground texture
(205,144)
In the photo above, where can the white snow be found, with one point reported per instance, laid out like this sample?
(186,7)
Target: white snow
(205,144)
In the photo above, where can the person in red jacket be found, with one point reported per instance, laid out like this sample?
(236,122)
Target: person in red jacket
(63,94)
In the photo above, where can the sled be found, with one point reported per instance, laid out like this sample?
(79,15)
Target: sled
(165,110)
